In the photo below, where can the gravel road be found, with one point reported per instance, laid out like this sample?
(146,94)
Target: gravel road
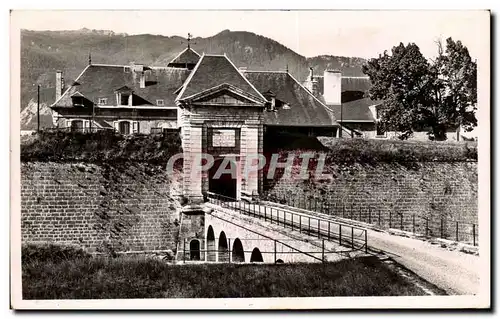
(455,272)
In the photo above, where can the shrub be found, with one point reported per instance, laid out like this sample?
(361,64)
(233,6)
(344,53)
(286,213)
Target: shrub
(50,253)
(101,146)
(371,151)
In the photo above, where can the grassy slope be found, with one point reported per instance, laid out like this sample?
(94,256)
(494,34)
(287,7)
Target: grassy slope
(128,277)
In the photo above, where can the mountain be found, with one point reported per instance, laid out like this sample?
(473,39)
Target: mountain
(44,52)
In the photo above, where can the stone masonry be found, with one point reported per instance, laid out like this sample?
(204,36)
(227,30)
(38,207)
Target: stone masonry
(101,208)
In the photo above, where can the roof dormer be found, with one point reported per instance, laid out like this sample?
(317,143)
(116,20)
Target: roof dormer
(186,59)
(124,96)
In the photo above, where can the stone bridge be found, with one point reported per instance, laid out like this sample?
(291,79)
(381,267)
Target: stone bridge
(256,233)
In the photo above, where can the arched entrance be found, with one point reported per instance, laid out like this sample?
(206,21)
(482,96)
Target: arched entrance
(256,256)
(225,184)
(194,249)
(211,252)
(238,253)
(223,248)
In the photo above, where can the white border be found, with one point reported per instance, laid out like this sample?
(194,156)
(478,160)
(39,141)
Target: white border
(402,302)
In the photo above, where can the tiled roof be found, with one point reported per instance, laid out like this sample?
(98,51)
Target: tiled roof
(361,84)
(102,81)
(103,123)
(358,110)
(213,71)
(188,56)
(305,109)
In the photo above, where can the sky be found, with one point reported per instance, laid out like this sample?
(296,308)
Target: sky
(309,33)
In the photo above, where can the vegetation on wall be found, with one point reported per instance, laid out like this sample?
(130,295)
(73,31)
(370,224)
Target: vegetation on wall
(100,147)
(371,151)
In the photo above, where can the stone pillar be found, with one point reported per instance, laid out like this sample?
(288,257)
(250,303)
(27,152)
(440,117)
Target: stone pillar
(249,147)
(261,151)
(192,180)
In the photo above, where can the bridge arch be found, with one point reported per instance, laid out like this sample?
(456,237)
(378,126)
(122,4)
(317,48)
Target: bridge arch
(256,256)
(223,250)
(211,249)
(238,254)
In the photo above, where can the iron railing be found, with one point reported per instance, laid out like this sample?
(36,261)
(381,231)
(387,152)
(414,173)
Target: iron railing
(428,226)
(345,235)
(265,250)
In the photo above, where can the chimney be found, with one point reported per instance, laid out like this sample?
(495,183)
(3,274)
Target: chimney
(59,84)
(314,87)
(311,74)
(142,81)
(332,87)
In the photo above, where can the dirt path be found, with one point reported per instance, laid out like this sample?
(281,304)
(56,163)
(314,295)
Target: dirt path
(455,272)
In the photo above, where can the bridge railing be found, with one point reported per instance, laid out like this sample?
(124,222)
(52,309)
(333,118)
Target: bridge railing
(420,223)
(356,238)
(261,250)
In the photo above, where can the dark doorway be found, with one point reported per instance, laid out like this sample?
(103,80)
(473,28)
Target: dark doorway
(225,184)
(238,253)
(194,249)
(223,248)
(211,253)
(77,126)
(256,256)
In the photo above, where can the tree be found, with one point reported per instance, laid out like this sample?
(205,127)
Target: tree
(418,94)
(455,86)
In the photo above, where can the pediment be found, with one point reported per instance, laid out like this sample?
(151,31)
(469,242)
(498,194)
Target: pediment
(225,98)
(123,89)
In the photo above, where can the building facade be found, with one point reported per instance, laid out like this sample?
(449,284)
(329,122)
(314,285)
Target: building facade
(358,115)
(219,110)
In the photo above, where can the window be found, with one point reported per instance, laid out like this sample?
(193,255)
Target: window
(124,99)
(103,101)
(380,131)
(135,127)
(127,127)
(126,69)
(77,126)
(124,127)
(81,126)
(160,102)
(77,100)
(156,130)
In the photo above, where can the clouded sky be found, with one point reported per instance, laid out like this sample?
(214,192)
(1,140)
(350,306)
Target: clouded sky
(310,33)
